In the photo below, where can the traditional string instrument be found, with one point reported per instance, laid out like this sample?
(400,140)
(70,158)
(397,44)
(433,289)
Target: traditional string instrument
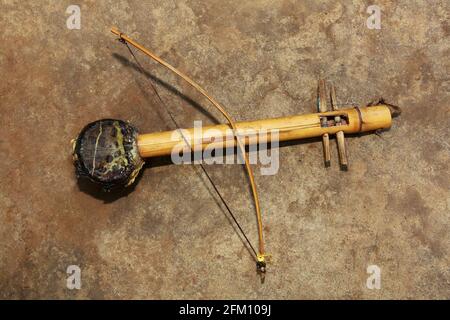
(111,152)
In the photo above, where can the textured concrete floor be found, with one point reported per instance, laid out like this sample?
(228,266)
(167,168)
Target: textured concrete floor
(168,238)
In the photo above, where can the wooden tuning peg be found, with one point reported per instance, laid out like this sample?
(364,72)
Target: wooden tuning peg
(322,107)
(340,134)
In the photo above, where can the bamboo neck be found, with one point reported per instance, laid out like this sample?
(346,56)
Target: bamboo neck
(354,120)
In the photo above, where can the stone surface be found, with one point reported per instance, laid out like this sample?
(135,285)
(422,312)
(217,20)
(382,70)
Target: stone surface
(167,237)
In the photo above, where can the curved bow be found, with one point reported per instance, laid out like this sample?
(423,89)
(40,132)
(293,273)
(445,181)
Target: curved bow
(261,255)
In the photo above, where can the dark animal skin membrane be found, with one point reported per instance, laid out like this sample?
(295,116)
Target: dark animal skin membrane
(106,152)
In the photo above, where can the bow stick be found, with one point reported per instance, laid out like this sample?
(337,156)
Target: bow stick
(261,255)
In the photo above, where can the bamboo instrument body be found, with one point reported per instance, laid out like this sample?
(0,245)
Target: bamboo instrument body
(289,128)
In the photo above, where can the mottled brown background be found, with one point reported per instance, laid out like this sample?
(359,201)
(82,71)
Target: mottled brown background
(168,238)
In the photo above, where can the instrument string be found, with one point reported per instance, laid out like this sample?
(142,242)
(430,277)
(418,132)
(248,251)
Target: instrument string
(207,175)
(261,257)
